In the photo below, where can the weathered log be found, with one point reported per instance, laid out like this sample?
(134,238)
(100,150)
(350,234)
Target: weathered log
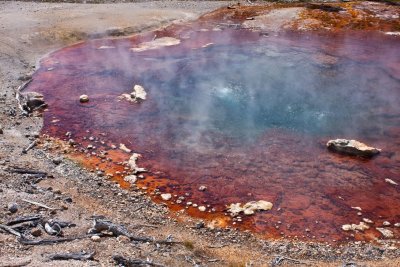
(121,261)
(80,256)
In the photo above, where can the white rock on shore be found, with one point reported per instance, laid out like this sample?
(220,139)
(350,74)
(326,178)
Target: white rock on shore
(385,232)
(353,227)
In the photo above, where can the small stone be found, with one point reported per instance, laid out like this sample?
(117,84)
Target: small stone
(386,223)
(95,238)
(166,196)
(123,239)
(368,220)
(397,225)
(130,179)
(390,181)
(357,208)
(57,161)
(36,232)
(68,200)
(202,188)
(12,207)
(200,225)
(84,98)
(1,130)
(124,148)
(385,232)
(202,208)
(346,227)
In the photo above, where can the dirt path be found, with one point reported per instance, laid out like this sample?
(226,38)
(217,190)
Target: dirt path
(27,32)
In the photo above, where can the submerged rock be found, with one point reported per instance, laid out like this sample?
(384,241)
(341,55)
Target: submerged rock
(352,147)
(249,208)
(390,181)
(166,196)
(132,162)
(156,43)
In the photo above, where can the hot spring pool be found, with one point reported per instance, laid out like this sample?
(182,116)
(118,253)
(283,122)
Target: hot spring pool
(245,115)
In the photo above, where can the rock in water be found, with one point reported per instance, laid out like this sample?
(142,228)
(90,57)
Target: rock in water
(249,208)
(352,147)
(138,93)
(84,98)
(156,43)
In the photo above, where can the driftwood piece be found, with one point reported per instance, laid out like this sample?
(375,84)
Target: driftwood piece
(38,204)
(121,261)
(22,219)
(10,230)
(80,256)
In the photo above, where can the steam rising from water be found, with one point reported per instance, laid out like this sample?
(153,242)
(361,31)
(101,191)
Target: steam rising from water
(247,116)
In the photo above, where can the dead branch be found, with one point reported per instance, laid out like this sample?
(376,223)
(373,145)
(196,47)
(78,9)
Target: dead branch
(10,230)
(280,259)
(25,241)
(81,256)
(38,204)
(100,225)
(29,147)
(19,97)
(121,261)
(16,263)
(26,171)
(22,219)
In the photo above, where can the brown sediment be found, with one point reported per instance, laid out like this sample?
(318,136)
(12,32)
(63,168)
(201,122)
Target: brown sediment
(313,191)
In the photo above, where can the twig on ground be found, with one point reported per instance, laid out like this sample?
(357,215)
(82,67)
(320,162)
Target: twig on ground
(26,241)
(133,262)
(16,263)
(217,246)
(22,219)
(38,204)
(10,230)
(80,256)
(100,225)
(31,145)
(26,171)
(278,260)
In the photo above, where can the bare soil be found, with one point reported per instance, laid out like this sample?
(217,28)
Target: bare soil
(28,31)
